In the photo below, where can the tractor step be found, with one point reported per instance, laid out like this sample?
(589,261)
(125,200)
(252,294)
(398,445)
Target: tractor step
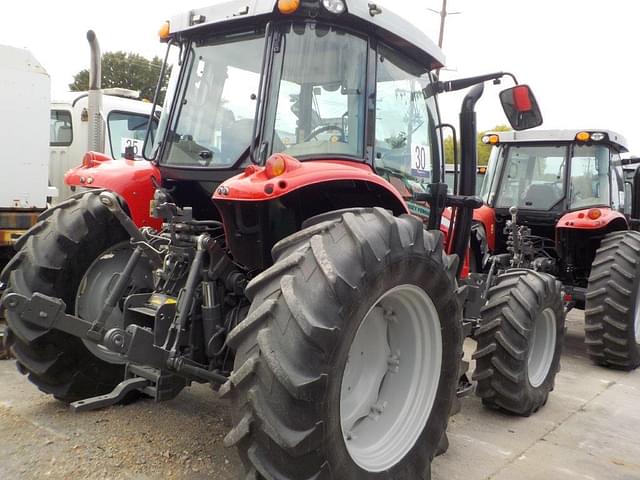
(150,381)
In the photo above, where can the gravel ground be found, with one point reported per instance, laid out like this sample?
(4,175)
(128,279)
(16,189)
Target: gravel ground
(587,431)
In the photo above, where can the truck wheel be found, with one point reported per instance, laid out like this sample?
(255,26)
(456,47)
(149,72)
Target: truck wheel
(519,342)
(347,364)
(612,313)
(53,259)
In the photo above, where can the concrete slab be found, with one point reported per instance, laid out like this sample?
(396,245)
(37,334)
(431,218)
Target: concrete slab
(589,430)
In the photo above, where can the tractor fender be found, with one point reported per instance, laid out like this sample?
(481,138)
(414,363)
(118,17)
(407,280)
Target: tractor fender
(130,179)
(255,185)
(486,216)
(581,220)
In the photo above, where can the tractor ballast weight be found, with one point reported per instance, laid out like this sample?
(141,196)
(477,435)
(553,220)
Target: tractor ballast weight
(276,258)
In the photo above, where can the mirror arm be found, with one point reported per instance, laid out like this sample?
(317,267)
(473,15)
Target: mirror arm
(462,83)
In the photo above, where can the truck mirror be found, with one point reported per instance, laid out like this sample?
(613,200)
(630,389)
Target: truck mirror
(521,107)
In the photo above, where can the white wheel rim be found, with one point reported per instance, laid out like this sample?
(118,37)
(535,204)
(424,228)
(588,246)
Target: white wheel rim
(391,378)
(542,347)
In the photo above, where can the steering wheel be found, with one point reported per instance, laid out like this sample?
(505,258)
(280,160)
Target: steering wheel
(325,128)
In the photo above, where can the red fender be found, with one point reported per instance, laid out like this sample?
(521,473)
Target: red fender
(131,179)
(486,216)
(588,219)
(445,228)
(256,184)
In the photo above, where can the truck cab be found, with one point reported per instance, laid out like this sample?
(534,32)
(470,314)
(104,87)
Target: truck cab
(125,119)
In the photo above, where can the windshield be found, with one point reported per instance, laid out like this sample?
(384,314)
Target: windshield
(533,177)
(589,176)
(215,118)
(319,91)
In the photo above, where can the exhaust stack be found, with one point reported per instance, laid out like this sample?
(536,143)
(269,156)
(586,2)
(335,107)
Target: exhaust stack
(95,130)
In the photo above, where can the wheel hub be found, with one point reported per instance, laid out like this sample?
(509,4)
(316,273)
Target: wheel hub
(96,284)
(542,347)
(391,378)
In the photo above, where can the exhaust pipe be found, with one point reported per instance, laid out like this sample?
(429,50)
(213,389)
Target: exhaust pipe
(95,130)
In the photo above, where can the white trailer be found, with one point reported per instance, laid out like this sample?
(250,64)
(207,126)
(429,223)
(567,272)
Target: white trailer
(24,144)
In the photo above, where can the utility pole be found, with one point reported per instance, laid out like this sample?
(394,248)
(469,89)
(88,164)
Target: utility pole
(443,15)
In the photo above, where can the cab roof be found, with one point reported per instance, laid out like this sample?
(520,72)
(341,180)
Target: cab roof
(528,136)
(381,21)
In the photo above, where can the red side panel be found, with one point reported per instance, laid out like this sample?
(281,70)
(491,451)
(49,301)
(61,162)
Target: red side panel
(255,185)
(580,219)
(445,228)
(487,217)
(128,178)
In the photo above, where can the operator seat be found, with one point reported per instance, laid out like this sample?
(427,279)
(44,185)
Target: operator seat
(540,195)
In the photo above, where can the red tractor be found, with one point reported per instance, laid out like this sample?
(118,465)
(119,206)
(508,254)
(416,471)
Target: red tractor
(268,249)
(565,203)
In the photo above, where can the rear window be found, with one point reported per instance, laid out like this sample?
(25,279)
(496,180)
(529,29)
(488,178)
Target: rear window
(128,129)
(60,128)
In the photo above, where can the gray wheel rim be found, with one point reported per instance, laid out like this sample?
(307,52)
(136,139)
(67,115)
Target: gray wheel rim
(95,285)
(391,378)
(542,347)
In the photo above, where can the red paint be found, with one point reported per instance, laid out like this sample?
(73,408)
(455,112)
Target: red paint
(580,220)
(487,217)
(255,185)
(445,228)
(521,98)
(130,179)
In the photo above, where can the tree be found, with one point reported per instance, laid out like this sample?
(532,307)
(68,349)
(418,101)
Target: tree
(483,150)
(126,70)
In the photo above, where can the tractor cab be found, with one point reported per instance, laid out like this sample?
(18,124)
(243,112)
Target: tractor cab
(308,83)
(547,175)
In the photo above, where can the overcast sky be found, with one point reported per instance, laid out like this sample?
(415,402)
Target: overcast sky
(579,56)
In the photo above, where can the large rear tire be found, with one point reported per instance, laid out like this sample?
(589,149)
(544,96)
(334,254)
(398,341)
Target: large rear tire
(53,258)
(612,313)
(347,365)
(519,342)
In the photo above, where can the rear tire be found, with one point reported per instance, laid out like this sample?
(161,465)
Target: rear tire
(612,313)
(53,257)
(519,342)
(290,387)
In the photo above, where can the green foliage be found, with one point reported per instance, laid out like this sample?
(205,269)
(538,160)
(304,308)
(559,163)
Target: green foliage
(483,150)
(126,70)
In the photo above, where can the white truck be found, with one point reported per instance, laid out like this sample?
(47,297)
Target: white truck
(123,122)
(24,145)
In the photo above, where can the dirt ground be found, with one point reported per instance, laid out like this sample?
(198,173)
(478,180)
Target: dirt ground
(588,430)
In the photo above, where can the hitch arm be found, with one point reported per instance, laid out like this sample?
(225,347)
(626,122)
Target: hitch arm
(45,312)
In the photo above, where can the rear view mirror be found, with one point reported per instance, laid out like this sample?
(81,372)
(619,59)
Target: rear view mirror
(521,107)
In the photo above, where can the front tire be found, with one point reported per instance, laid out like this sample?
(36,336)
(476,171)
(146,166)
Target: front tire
(612,311)
(312,389)
(519,342)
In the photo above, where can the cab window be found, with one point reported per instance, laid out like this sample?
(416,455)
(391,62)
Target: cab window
(60,128)
(128,129)
(589,176)
(533,177)
(404,133)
